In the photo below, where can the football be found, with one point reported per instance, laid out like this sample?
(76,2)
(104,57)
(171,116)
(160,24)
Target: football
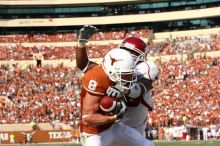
(108,104)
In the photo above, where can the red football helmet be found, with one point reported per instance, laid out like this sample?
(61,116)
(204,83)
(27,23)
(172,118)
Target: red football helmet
(136,46)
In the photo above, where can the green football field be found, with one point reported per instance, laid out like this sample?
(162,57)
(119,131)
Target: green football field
(193,143)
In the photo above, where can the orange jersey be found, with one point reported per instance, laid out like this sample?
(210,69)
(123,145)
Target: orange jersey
(96,82)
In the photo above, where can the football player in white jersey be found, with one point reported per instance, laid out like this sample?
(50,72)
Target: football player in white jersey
(139,100)
(136,115)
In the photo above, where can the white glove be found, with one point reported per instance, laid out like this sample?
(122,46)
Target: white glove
(121,110)
(115,91)
(85,33)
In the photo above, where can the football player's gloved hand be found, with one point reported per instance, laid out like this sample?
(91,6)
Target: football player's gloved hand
(115,91)
(120,110)
(85,33)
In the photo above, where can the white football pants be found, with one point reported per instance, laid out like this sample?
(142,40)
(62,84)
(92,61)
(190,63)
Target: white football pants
(117,135)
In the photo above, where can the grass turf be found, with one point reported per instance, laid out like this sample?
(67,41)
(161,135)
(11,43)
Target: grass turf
(192,143)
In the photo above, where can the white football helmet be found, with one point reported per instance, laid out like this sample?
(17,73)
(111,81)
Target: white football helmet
(119,65)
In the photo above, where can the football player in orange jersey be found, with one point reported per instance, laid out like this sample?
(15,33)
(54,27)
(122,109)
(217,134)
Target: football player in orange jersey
(106,132)
(147,71)
(114,69)
(97,129)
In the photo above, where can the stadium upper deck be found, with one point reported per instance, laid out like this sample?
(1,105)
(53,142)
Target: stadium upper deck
(161,15)
(59,2)
(57,9)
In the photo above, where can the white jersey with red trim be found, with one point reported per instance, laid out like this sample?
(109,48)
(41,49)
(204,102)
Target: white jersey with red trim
(136,116)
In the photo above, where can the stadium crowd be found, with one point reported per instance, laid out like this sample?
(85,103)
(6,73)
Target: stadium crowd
(187,92)
(177,46)
(114,34)
(48,94)
(44,94)
(193,86)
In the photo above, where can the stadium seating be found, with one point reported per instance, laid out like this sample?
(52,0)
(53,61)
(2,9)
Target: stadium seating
(40,86)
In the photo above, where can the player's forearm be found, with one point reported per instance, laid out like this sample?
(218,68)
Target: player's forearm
(98,119)
(85,33)
(81,57)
